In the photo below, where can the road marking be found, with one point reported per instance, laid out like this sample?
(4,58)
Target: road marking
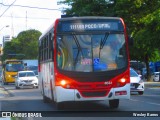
(150,95)
(0,106)
(155,88)
(145,102)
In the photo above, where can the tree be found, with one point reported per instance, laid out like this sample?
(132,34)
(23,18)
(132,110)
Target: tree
(141,17)
(25,43)
(86,7)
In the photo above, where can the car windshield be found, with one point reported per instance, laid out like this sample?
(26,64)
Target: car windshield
(26,74)
(91,53)
(14,67)
(133,73)
(36,72)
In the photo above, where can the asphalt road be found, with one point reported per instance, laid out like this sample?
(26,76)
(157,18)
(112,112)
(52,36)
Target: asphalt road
(30,100)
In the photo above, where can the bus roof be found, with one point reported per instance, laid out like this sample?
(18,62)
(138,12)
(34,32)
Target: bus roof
(88,17)
(8,61)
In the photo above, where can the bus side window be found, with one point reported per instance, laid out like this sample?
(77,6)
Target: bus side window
(51,51)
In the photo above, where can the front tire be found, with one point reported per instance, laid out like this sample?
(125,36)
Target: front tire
(114,103)
(5,83)
(17,87)
(60,105)
(46,99)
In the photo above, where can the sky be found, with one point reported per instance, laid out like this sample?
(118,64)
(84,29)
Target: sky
(23,18)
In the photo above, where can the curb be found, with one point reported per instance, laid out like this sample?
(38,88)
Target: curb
(4,92)
(8,93)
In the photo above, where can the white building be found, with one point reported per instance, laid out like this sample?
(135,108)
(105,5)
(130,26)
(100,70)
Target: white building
(6,38)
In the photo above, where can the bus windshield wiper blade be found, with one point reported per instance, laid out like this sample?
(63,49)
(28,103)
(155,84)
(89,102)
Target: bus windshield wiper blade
(78,46)
(103,41)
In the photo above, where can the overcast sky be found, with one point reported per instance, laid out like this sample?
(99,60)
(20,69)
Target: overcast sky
(22,18)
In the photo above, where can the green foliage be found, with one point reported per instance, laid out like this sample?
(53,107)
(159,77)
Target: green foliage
(85,7)
(142,18)
(25,43)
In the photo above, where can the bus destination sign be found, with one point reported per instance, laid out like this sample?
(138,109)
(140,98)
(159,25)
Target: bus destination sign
(93,26)
(14,62)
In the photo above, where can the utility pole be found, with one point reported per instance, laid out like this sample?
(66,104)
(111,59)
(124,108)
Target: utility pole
(26,20)
(12,27)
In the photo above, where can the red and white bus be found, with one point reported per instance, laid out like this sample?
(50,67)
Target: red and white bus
(84,59)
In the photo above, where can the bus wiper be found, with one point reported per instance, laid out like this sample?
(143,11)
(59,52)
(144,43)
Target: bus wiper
(103,41)
(78,46)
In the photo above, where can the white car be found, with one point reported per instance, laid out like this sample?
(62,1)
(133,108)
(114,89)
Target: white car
(156,77)
(136,83)
(26,79)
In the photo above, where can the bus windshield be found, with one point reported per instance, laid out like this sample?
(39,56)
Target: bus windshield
(87,52)
(14,67)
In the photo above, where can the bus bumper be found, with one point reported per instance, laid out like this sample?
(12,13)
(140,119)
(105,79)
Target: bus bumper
(62,94)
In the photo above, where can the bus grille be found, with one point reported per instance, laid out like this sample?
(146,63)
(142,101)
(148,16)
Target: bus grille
(93,87)
(93,93)
(13,75)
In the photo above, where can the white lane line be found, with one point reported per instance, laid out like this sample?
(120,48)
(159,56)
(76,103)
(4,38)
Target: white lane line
(151,95)
(0,106)
(145,102)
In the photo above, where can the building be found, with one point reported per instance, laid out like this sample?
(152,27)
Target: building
(6,38)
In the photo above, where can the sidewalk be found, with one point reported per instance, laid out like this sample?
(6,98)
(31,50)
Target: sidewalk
(3,93)
(152,84)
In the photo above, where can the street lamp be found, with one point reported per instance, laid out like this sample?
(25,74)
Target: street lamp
(4,27)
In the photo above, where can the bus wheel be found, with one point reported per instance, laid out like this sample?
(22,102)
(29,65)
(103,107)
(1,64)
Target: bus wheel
(17,87)
(46,99)
(5,83)
(60,105)
(114,103)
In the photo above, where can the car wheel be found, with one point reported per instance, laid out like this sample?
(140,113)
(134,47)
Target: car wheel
(17,87)
(140,92)
(114,103)
(35,86)
(154,80)
(5,83)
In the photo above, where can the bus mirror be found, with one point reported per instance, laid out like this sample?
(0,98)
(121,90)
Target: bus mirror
(130,41)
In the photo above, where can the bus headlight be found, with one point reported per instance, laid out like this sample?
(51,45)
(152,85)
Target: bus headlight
(64,82)
(121,82)
(9,75)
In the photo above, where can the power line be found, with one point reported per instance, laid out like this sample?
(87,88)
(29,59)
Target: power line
(31,7)
(7,8)
(27,17)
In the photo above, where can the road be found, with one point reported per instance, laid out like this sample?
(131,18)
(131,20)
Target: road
(31,100)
